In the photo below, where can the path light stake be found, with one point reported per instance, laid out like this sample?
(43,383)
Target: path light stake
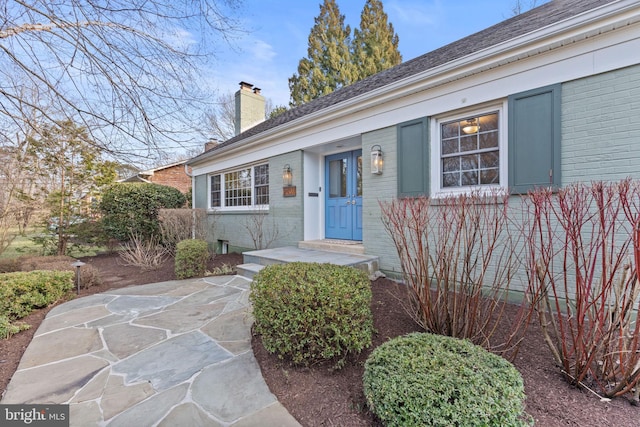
(77,266)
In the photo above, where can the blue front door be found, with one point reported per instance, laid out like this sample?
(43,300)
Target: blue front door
(343,215)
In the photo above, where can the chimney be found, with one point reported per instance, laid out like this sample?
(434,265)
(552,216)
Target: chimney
(250,107)
(210,144)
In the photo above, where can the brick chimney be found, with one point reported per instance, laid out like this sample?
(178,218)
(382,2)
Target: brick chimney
(250,107)
(210,144)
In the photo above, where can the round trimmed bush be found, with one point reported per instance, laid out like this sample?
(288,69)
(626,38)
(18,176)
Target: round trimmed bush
(191,258)
(310,312)
(424,379)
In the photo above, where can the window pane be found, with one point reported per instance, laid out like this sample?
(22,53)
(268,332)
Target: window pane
(450,129)
(261,184)
(490,176)
(469,143)
(359,176)
(470,178)
(488,122)
(469,162)
(451,180)
(215,191)
(451,164)
(489,140)
(489,160)
(338,178)
(450,146)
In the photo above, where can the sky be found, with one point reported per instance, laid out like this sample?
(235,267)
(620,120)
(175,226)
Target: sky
(277,32)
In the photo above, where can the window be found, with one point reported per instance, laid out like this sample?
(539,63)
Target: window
(469,152)
(261,184)
(240,189)
(215,191)
(237,188)
(469,149)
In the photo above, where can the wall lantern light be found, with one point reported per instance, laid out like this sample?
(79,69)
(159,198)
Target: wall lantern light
(287,176)
(376,160)
(471,126)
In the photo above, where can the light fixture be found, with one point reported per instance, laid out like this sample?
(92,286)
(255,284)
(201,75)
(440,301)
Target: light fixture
(472,126)
(287,176)
(376,160)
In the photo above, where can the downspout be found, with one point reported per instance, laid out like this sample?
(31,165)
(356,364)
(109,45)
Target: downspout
(193,200)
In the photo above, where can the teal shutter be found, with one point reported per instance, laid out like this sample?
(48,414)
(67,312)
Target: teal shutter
(534,139)
(200,189)
(413,158)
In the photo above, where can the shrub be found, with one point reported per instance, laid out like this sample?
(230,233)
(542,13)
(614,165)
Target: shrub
(460,258)
(583,262)
(133,208)
(21,292)
(7,328)
(9,265)
(89,275)
(431,380)
(181,224)
(147,254)
(309,312)
(191,258)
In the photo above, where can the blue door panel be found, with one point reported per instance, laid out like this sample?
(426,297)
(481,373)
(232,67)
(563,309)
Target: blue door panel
(343,196)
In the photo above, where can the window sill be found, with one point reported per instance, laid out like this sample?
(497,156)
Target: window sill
(249,210)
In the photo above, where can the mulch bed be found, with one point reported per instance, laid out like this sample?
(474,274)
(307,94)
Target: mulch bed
(318,396)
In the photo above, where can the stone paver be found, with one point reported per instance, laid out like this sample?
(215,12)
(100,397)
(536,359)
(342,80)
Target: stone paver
(167,354)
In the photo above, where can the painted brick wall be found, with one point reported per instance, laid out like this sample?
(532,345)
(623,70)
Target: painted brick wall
(600,137)
(173,176)
(284,219)
(379,188)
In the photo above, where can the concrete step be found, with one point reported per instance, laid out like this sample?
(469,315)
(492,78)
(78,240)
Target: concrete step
(288,254)
(342,246)
(248,270)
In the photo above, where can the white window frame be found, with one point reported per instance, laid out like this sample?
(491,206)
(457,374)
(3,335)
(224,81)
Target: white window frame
(435,176)
(223,206)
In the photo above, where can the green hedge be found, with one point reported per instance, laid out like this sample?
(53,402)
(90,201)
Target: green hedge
(21,292)
(309,312)
(133,208)
(191,258)
(431,380)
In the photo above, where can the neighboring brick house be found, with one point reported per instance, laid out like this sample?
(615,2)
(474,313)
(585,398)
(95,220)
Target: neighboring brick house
(172,175)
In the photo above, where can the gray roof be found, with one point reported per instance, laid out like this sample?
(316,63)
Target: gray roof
(542,16)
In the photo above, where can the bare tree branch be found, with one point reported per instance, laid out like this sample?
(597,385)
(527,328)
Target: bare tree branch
(127,70)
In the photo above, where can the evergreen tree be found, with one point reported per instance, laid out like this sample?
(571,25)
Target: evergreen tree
(375,44)
(328,64)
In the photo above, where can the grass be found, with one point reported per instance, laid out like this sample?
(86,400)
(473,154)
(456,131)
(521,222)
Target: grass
(25,245)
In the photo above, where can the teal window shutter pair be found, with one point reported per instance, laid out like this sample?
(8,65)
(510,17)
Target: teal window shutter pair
(534,133)
(534,139)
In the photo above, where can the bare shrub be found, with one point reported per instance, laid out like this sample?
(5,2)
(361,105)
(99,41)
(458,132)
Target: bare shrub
(583,259)
(147,254)
(458,257)
(89,275)
(177,225)
(261,232)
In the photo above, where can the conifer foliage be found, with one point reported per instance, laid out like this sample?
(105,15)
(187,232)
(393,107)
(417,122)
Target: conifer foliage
(375,44)
(334,60)
(328,65)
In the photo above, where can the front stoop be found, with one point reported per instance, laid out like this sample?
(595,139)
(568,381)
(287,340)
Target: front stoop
(333,245)
(254,261)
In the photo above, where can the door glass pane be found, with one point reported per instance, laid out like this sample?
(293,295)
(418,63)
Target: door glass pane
(338,178)
(359,176)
